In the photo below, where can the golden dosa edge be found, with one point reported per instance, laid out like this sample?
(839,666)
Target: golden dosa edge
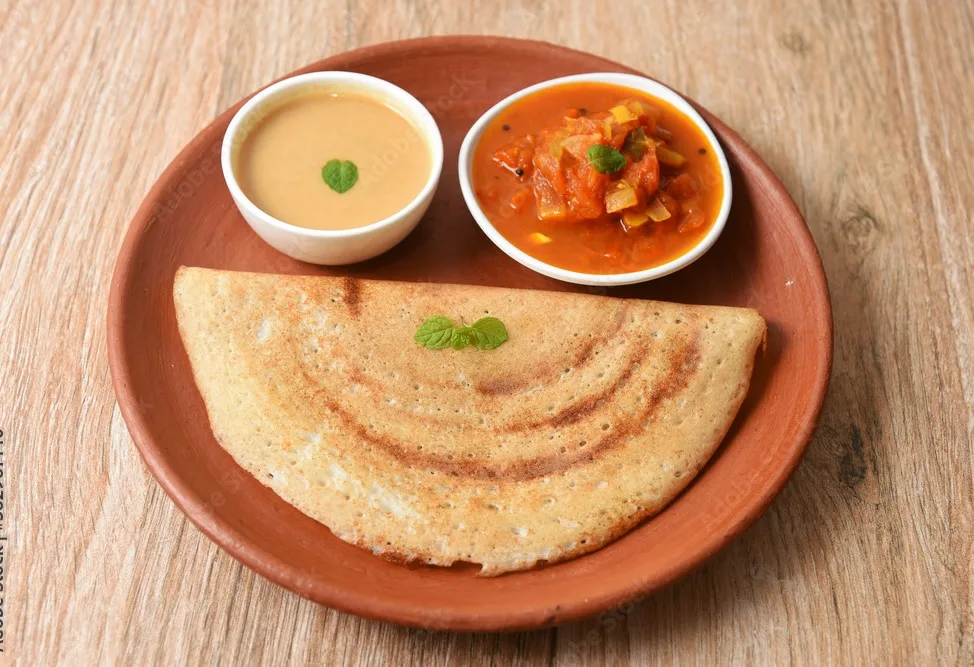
(592,417)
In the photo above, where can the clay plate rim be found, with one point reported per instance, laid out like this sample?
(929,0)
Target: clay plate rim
(512,618)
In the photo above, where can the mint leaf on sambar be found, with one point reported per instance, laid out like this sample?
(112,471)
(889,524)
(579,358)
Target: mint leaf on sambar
(605,159)
(340,175)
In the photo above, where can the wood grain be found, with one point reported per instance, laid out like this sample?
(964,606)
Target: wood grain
(861,108)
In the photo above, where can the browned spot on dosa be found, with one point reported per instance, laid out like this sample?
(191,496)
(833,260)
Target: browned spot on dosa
(353,294)
(505,386)
(684,365)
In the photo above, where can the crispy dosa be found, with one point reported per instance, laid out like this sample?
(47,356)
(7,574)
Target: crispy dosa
(593,416)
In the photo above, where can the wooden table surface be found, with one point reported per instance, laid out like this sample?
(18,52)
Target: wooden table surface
(863,110)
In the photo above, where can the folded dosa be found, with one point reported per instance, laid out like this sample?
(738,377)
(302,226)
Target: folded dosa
(593,416)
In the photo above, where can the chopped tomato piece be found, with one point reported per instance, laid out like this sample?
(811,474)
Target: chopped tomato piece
(644,174)
(517,155)
(682,187)
(690,222)
(578,144)
(521,199)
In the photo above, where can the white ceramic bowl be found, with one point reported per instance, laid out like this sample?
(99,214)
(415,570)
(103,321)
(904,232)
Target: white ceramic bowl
(643,84)
(344,246)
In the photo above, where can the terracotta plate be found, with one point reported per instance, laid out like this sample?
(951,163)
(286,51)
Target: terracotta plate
(765,259)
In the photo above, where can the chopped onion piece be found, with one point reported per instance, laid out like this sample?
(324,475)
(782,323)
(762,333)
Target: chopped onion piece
(636,107)
(539,238)
(552,210)
(551,205)
(634,218)
(555,143)
(556,148)
(669,158)
(641,109)
(622,114)
(657,212)
(622,195)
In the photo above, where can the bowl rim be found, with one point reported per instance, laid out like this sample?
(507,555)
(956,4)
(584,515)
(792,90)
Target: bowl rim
(642,84)
(406,104)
